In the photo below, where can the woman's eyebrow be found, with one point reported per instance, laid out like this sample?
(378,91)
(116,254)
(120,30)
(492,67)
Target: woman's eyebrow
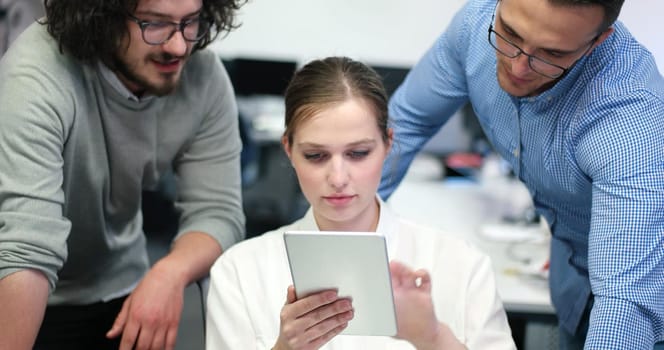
(363,142)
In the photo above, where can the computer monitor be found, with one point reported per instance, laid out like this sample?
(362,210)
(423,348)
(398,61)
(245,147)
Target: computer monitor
(392,76)
(251,76)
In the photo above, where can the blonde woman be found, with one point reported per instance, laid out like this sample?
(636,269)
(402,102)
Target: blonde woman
(337,138)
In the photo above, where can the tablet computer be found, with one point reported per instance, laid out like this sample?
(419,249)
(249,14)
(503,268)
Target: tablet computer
(353,263)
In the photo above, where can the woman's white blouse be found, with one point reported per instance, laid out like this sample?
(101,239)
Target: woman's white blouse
(248,287)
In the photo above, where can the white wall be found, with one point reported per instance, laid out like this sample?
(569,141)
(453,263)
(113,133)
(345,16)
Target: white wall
(393,32)
(644,20)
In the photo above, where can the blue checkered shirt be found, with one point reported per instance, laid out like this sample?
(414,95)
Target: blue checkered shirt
(591,152)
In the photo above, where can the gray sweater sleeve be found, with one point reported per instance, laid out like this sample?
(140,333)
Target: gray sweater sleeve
(33,230)
(208,168)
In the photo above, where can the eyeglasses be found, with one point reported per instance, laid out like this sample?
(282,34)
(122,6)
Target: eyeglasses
(158,32)
(539,65)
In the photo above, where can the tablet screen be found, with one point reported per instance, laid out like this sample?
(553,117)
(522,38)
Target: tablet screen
(353,263)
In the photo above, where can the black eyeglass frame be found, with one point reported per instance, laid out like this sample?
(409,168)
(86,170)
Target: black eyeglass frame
(520,51)
(175,27)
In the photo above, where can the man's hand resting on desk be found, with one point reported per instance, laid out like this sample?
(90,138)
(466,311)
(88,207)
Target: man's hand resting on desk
(150,316)
(416,318)
(151,313)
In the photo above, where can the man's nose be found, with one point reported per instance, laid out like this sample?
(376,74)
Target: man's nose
(176,45)
(521,65)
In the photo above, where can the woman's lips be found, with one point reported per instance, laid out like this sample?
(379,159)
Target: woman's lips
(339,200)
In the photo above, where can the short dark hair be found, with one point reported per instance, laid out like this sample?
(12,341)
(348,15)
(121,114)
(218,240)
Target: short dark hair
(323,83)
(92,30)
(611,9)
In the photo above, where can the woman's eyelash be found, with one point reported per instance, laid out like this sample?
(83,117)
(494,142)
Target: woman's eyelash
(312,156)
(358,154)
(319,156)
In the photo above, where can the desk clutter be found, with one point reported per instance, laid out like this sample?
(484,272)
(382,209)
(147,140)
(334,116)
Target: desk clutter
(490,210)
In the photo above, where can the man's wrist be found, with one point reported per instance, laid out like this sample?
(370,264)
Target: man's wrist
(169,265)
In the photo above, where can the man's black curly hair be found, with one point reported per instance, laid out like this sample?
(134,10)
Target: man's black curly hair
(92,30)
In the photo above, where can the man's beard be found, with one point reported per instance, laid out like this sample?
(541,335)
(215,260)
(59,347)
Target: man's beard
(130,73)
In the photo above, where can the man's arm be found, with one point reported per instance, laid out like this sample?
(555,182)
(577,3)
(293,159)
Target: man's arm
(193,254)
(624,153)
(210,202)
(433,91)
(626,262)
(150,316)
(23,297)
(36,100)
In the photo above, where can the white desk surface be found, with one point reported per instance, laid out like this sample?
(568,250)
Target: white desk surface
(465,208)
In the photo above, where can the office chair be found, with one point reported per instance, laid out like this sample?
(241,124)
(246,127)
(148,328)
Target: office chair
(203,287)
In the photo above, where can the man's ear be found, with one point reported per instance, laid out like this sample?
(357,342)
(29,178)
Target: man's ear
(600,39)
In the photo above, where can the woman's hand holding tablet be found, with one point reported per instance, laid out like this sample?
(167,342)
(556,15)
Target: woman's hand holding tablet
(355,264)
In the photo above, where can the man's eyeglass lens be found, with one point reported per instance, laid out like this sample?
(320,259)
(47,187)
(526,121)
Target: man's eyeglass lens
(510,50)
(156,33)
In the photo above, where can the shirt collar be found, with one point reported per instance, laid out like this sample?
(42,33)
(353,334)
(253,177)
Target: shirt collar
(387,224)
(115,82)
